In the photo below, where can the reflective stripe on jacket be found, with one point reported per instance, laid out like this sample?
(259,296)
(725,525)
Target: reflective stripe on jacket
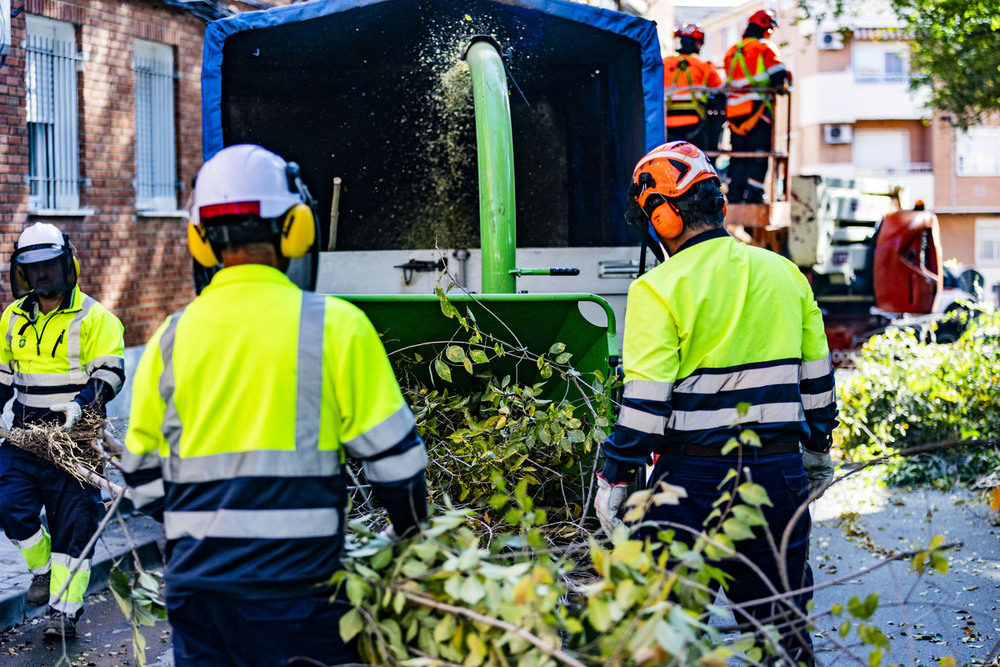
(720,338)
(244,405)
(750,64)
(50,360)
(681,70)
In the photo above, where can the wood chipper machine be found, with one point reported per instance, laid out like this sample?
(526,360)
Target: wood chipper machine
(409,120)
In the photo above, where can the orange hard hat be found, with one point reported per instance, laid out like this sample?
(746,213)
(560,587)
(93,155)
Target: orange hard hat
(765,18)
(692,30)
(664,174)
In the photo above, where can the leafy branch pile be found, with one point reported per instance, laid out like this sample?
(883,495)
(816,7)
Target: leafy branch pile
(477,425)
(909,391)
(449,596)
(510,571)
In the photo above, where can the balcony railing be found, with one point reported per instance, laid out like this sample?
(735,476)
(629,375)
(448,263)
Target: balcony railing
(866,78)
(912,168)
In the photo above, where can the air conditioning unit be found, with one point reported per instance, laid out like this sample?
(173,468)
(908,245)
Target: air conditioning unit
(831,41)
(838,134)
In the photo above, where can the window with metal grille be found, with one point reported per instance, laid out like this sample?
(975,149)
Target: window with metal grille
(156,176)
(50,72)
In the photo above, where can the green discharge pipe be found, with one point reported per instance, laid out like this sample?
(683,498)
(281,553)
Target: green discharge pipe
(495,147)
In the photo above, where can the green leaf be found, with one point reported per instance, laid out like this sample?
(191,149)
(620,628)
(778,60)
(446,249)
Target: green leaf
(472,591)
(564,358)
(413,568)
(398,602)
(627,553)
(149,582)
(442,369)
(381,559)
(455,354)
(477,650)
(444,629)
(478,356)
(599,614)
(143,616)
(863,609)
(751,516)
(357,589)
(939,563)
(736,529)
(754,494)
(351,624)
(557,348)
(139,641)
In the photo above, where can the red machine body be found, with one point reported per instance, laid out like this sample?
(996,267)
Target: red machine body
(907,267)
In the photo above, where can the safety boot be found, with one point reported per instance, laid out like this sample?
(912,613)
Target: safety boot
(59,625)
(38,591)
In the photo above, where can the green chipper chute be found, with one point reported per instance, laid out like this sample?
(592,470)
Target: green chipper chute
(577,327)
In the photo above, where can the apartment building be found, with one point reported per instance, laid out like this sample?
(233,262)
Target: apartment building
(854,115)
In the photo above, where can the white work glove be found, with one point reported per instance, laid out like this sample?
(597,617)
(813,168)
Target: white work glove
(819,468)
(608,502)
(73,412)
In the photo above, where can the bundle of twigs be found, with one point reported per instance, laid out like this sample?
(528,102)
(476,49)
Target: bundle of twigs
(72,450)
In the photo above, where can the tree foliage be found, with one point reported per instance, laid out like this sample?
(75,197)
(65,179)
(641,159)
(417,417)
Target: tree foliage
(910,391)
(954,45)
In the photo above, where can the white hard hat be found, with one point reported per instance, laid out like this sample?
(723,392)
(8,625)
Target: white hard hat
(245,179)
(40,242)
(43,261)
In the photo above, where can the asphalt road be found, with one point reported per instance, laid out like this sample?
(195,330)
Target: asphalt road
(104,639)
(926,617)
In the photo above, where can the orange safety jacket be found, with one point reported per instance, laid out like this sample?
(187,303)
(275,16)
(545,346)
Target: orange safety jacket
(683,105)
(750,64)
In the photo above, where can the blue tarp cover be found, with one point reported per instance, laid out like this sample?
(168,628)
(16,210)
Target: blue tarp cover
(642,31)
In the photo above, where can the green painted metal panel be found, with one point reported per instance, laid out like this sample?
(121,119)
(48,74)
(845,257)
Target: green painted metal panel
(414,324)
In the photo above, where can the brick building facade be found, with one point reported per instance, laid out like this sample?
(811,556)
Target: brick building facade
(134,260)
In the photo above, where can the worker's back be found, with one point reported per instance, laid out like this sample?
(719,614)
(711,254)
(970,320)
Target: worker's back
(745,321)
(260,381)
(751,64)
(681,70)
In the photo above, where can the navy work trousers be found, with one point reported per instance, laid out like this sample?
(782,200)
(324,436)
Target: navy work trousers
(747,175)
(212,631)
(784,479)
(28,483)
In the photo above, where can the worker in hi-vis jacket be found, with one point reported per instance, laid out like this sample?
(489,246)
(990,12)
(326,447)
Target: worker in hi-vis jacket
(721,338)
(62,356)
(246,404)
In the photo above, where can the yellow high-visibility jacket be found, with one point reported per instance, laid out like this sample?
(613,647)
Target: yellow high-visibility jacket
(245,403)
(720,338)
(76,352)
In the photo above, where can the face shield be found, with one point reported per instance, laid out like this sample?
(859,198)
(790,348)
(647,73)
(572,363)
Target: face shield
(46,270)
